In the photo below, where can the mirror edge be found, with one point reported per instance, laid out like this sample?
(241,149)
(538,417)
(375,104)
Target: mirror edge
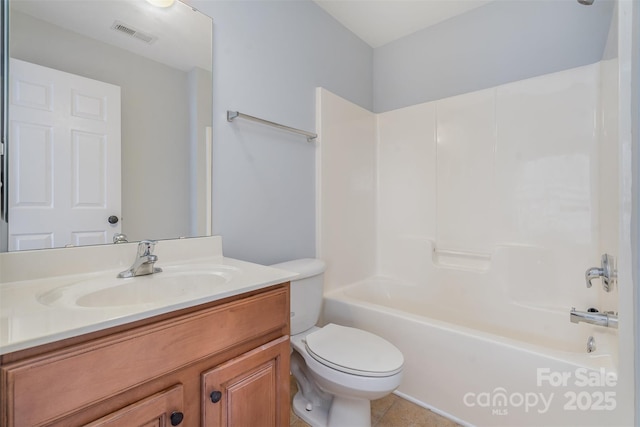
(4,95)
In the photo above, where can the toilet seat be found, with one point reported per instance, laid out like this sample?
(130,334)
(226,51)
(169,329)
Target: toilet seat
(354,351)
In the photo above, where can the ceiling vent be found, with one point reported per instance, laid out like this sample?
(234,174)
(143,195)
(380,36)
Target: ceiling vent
(132,32)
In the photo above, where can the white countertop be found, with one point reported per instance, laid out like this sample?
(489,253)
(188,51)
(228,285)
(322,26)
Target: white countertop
(26,322)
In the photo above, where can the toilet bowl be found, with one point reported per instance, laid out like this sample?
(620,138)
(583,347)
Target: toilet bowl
(338,369)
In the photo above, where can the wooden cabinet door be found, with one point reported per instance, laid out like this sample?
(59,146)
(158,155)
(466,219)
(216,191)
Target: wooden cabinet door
(162,409)
(251,390)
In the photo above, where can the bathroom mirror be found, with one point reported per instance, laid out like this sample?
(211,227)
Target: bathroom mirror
(77,71)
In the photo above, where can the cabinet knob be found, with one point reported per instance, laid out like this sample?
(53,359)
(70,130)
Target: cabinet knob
(215,396)
(176,418)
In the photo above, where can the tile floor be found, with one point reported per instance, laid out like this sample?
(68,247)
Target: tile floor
(390,411)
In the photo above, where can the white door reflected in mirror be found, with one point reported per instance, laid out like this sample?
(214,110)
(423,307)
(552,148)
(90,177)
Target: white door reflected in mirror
(65,159)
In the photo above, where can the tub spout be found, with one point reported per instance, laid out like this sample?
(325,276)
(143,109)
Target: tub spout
(606,319)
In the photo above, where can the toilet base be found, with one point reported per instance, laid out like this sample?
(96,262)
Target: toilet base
(315,416)
(349,412)
(340,412)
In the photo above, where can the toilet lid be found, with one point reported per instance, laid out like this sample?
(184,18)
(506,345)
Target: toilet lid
(354,351)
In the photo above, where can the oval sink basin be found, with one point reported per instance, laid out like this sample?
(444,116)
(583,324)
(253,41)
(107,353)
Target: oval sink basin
(173,285)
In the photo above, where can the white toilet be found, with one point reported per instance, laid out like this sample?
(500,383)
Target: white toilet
(339,370)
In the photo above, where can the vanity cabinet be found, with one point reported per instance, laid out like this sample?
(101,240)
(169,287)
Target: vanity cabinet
(161,409)
(217,364)
(245,392)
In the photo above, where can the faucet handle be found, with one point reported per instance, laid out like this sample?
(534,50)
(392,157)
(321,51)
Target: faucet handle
(145,247)
(120,238)
(593,273)
(606,271)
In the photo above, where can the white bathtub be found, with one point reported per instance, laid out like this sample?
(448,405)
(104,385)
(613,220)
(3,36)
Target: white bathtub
(487,362)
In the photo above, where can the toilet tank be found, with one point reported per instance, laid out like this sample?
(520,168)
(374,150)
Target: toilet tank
(306,292)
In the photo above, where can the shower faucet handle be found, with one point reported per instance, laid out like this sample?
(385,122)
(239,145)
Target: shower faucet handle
(606,272)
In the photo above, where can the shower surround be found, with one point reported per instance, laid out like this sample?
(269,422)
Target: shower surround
(460,230)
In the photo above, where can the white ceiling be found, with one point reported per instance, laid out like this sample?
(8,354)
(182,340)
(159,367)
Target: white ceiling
(183,35)
(379,22)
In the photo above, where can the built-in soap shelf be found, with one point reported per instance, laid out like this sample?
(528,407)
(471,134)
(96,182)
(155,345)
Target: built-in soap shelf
(461,260)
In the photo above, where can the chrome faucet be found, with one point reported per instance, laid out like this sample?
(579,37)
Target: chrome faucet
(607,319)
(144,261)
(606,271)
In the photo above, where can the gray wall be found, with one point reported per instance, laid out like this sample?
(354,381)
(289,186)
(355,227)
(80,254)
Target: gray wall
(155,139)
(269,56)
(501,42)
